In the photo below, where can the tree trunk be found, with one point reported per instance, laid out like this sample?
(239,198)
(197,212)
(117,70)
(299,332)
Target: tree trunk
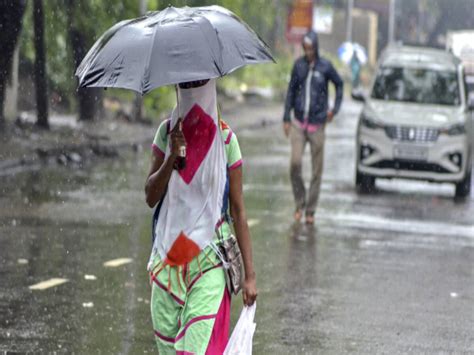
(137,111)
(11,15)
(89,99)
(11,89)
(41,85)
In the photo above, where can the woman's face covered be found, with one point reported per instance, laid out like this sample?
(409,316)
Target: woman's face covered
(193,84)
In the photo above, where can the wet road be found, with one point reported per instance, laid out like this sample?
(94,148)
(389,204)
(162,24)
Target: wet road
(388,273)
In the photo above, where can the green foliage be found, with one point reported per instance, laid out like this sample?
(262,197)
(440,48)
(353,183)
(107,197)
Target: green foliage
(274,75)
(158,101)
(93,17)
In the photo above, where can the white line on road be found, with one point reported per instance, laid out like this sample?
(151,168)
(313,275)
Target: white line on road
(117,262)
(48,284)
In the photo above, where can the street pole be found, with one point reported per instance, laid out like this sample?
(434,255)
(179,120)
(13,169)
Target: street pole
(350,7)
(143,7)
(391,22)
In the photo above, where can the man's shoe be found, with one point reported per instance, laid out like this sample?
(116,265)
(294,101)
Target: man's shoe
(310,219)
(298,214)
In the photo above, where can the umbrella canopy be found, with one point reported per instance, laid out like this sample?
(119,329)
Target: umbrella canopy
(347,49)
(171,46)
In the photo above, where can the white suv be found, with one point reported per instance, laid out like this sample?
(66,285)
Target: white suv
(416,123)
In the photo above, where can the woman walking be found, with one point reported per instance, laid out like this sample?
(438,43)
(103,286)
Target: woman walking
(190,303)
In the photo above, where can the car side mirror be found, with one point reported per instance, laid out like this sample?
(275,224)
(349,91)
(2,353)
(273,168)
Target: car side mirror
(470,103)
(358,95)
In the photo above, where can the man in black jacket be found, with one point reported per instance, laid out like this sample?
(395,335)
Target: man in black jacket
(307,97)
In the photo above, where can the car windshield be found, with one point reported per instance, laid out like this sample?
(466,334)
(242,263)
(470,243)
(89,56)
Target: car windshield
(425,86)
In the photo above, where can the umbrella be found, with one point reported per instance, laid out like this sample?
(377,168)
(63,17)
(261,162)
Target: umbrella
(171,46)
(347,49)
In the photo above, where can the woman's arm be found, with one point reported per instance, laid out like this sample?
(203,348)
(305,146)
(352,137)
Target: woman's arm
(161,169)
(158,177)
(237,211)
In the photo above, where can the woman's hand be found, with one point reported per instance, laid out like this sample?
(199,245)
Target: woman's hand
(177,139)
(249,290)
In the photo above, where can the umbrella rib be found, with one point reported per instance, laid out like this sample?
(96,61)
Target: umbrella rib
(147,68)
(92,54)
(205,37)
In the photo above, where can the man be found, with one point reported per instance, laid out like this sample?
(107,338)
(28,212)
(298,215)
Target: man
(308,97)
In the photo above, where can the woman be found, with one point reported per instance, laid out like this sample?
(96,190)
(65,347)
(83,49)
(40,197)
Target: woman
(190,302)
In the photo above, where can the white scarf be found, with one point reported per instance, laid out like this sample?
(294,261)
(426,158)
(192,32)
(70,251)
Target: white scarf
(193,203)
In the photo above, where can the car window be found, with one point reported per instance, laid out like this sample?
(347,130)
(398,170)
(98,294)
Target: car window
(425,86)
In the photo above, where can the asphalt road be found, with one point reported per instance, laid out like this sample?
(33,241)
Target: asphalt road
(386,273)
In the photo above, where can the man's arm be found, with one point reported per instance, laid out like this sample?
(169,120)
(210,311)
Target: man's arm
(290,95)
(289,103)
(339,85)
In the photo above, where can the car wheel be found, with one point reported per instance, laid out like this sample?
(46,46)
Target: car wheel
(364,183)
(463,188)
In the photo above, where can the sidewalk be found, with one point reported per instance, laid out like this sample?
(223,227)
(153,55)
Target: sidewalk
(23,146)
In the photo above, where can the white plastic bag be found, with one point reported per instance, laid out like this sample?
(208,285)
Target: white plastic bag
(240,342)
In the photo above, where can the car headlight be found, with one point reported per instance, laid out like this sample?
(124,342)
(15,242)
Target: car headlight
(369,122)
(454,130)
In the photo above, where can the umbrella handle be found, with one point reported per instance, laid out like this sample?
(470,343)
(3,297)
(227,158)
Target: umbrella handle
(180,127)
(182,149)
(177,101)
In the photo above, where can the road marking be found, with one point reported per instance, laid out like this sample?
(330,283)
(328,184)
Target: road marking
(117,262)
(22,261)
(48,284)
(88,304)
(253,222)
(90,277)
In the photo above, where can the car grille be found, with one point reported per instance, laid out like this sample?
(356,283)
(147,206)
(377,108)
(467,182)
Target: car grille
(410,165)
(412,134)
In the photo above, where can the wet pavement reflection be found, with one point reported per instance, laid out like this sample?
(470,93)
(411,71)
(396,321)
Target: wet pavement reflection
(390,272)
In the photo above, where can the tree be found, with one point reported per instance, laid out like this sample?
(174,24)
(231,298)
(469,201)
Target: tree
(451,17)
(137,112)
(86,21)
(11,14)
(426,22)
(41,85)
(88,99)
